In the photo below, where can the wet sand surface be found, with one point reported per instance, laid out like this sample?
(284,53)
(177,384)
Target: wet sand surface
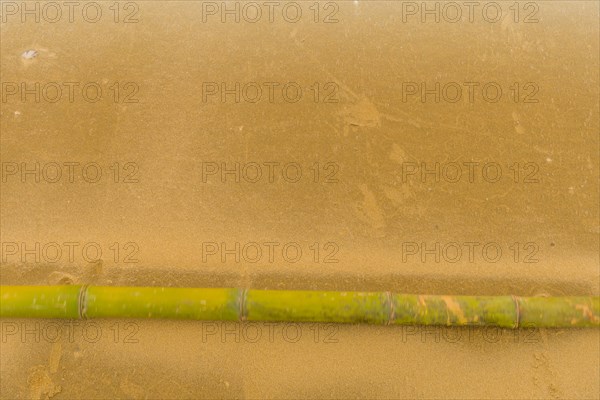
(373,178)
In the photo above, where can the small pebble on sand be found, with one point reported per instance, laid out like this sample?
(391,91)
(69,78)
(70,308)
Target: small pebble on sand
(29,54)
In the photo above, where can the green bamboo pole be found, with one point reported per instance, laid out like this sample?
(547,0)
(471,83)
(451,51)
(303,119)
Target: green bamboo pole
(230,304)
(40,301)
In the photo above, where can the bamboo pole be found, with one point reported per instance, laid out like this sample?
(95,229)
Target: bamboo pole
(231,304)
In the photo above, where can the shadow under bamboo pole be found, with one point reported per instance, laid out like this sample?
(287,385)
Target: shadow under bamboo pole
(233,304)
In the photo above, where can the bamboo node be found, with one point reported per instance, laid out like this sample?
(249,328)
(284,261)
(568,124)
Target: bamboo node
(392,315)
(82,306)
(243,312)
(518,311)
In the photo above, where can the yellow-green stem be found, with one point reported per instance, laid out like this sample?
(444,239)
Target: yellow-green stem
(232,304)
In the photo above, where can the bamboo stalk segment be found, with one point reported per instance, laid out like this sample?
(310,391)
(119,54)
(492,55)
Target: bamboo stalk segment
(150,302)
(559,312)
(499,311)
(40,301)
(231,304)
(317,306)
